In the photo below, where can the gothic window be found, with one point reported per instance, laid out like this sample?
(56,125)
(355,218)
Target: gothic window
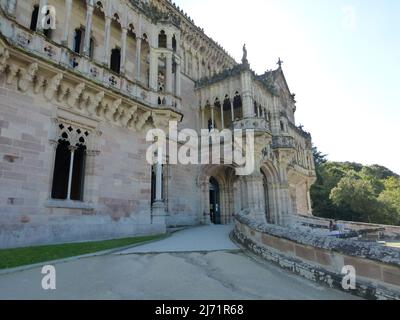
(34,18)
(227,104)
(69,166)
(211,125)
(237,105)
(282,126)
(162,39)
(91,48)
(78,40)
(174,43)
(115,63)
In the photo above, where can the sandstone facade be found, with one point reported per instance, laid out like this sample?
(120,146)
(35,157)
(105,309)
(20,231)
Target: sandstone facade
(77,100)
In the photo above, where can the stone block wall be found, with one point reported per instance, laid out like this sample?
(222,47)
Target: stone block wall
(321,259)
(117,183)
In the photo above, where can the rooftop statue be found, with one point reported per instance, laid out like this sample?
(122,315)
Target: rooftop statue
(244,58)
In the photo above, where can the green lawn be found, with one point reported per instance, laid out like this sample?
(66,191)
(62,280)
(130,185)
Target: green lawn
(10,258)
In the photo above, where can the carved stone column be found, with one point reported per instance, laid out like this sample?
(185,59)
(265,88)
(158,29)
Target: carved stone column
(123,48)
(178,79)
(68,9)
(158,209)
(169,73)
(212,117)
(138,59)
(232,111)
(153,70)
(88,30)
(222,116)
(247,99)
(205,188)
(203,123)
(256,203)
(92,183)
(107,31)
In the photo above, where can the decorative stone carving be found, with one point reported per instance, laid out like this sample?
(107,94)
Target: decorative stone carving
(62,92)
(75,94)
(12,72)
(52,86)
(4,56)
(27,76)
(142,119)
(127,115)
(111,109)
(73,134)
(95,102)
(38,83)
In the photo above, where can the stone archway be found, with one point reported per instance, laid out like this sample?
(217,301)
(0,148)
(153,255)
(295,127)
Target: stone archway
(271,184)
(218,181)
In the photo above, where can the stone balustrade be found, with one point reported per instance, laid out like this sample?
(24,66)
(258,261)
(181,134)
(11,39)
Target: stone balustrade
(39,45)
(283,142)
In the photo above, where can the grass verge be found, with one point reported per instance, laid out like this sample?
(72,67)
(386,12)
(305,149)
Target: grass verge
(11,258)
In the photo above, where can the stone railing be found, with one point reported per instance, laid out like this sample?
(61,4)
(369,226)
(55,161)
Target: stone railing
(283,142)
(322,258)
(386,231)
(258,124)
(39,45)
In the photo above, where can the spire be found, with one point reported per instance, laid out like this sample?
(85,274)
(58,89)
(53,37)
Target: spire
(279,63)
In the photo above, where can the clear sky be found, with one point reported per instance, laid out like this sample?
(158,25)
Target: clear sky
(341,59)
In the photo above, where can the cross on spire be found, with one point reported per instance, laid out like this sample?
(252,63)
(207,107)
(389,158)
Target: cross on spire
(280,62)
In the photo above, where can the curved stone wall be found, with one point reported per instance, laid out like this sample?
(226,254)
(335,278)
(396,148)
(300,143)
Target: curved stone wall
(322,259)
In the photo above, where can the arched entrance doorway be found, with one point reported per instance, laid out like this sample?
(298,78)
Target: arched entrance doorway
(271,193)
(215,204)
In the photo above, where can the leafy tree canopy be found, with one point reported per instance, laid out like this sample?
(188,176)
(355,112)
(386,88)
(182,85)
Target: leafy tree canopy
(354,192)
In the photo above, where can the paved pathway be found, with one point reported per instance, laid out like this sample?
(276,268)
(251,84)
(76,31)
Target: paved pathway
(200,239)
(184,266)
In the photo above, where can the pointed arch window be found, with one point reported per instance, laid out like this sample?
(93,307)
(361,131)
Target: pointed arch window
(115,63)
(70,161)
(162,39)
(34,18)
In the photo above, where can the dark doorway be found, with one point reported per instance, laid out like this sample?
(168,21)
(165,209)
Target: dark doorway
(115,63)
(78,39)
(215,208)
(34,18)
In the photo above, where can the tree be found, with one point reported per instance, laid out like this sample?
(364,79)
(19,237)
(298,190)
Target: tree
(358,194)
(390,197)
(353,192)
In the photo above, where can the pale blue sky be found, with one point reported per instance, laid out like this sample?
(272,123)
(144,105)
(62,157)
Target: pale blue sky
(341,58)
